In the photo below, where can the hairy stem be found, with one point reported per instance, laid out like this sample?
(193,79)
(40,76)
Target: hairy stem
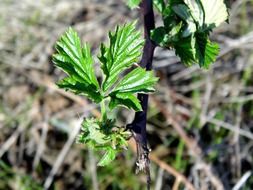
(138,125)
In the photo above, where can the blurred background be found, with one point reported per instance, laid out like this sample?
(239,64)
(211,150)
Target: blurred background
(200,122)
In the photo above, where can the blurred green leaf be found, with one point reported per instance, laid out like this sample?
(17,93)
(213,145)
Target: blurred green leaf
(196,10)
(133,3)
(159,36)
(91,133)
(184,13)
(108,157)
(159,5)
(206,50)
(187,24)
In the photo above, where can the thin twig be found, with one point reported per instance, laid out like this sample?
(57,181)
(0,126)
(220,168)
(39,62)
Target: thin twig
(12,139)
(21,147)
(191,144)
(159,179)
(220,123)
(176,184)
(63,154)
(93,170)
(206,99)
(165,166)
(242,181)
(239,99)
(172,171)
(230,127)
(41,145)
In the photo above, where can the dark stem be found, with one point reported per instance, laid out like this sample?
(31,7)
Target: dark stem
(138,125)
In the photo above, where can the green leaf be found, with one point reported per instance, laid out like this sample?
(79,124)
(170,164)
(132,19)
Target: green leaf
(160,36)
(81,88)
(184,13)
(196,10)
(124,99)
(104,136)
(185,49)
(206,50)
(197,49)
(167,12)
(159,5)
(108,157)
(187,24)
(165,37)
(133,3)
(76,60)
(137,81)
(72,55)
(123,51)
(91,134)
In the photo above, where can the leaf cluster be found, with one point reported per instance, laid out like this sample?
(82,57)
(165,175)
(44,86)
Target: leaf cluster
(124,49)
(187,25)
(115,89)
(103,135)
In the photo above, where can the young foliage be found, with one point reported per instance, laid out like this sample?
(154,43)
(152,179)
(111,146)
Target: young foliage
(187,25)
(124,49)
(133,3)
(76,60)
(137,81)
(103,135)
(159,5)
